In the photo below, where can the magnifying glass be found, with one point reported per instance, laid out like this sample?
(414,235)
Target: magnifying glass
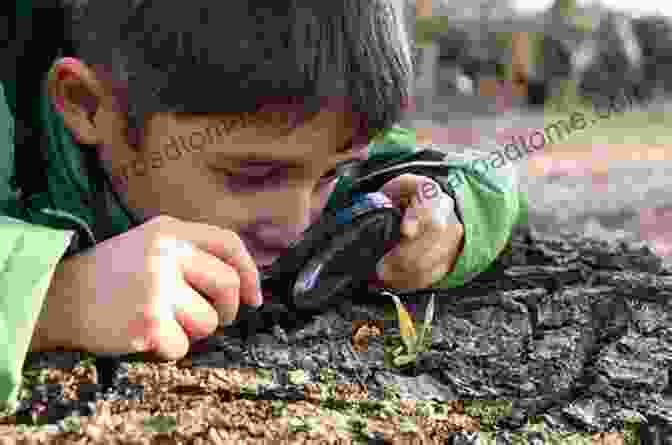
(336,255)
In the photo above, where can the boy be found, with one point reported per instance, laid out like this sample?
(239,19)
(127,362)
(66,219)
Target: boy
(114,243)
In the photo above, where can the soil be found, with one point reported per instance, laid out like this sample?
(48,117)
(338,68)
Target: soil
(574,331)
(189,401)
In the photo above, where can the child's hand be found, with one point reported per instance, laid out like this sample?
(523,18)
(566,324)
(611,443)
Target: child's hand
(432,236)
(160,284)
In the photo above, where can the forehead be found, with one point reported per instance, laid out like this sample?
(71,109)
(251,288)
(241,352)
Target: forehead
(266,138)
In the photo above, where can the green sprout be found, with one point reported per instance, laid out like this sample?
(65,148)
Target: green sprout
(297,376)
(70,424)
(264,376)
(88,360)
(406,425)
(248,392)
(160,424)
(302,424)
(279,408)
(413,341)
(488,411)
(392,392)
(327,375)
(32,377)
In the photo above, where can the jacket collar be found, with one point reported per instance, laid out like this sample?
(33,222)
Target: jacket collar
(72,191)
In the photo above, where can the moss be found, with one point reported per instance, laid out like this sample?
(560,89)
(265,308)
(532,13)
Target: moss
(297,376)
(488,411)
(160,424)
(279,408)
(302,424)
(264,376)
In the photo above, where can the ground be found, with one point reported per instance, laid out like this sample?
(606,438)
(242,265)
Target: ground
(568,339)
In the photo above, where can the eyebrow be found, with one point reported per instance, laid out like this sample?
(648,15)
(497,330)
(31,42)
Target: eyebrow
(249,160)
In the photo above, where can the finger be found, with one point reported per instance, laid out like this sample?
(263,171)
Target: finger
(218,283)
(437,231)
(402,279)
(158,322)
(228,247)
(435,212)
(416,255)
(410,263)
(421,197)
(402,188)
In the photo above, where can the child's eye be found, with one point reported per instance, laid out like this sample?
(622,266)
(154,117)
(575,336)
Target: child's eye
(250,179)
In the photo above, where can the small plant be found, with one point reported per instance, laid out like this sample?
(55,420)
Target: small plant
(489,411)
(70,424)
(34,377)
(424,408)
(302,424)
(358,428)
(297,376)
(248,392)
(327,375)
(160,424)
(631,430)
(88,360)
(264,376)
(329,399)
(279,408)
(407,425)
(8,408)
(413,342)
(391,392)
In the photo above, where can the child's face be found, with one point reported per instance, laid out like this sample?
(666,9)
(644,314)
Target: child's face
(266,185)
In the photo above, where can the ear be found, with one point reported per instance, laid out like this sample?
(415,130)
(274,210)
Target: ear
(76,93)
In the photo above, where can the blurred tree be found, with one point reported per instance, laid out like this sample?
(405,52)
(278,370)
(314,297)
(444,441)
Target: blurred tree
(655,37)
(617,65)
(564,8)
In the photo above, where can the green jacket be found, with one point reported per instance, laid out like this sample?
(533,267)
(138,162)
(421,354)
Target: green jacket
(36,233)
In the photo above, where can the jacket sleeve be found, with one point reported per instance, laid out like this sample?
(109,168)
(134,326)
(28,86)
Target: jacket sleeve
(484,184)
(490,203)
(28,256)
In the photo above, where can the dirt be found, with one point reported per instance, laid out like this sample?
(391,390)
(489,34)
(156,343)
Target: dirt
(207,408)
(187,401)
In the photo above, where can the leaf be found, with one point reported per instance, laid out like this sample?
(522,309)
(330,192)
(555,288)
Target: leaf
(327,375)
(264,376)
(406,425)
(248,392)
(302,424)
(279,408)
(160,424)
(397,351)
(429,316)
(297,376)
(406,327)
(404,360)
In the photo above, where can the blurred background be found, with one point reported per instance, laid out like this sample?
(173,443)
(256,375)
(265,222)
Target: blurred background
(501,69)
